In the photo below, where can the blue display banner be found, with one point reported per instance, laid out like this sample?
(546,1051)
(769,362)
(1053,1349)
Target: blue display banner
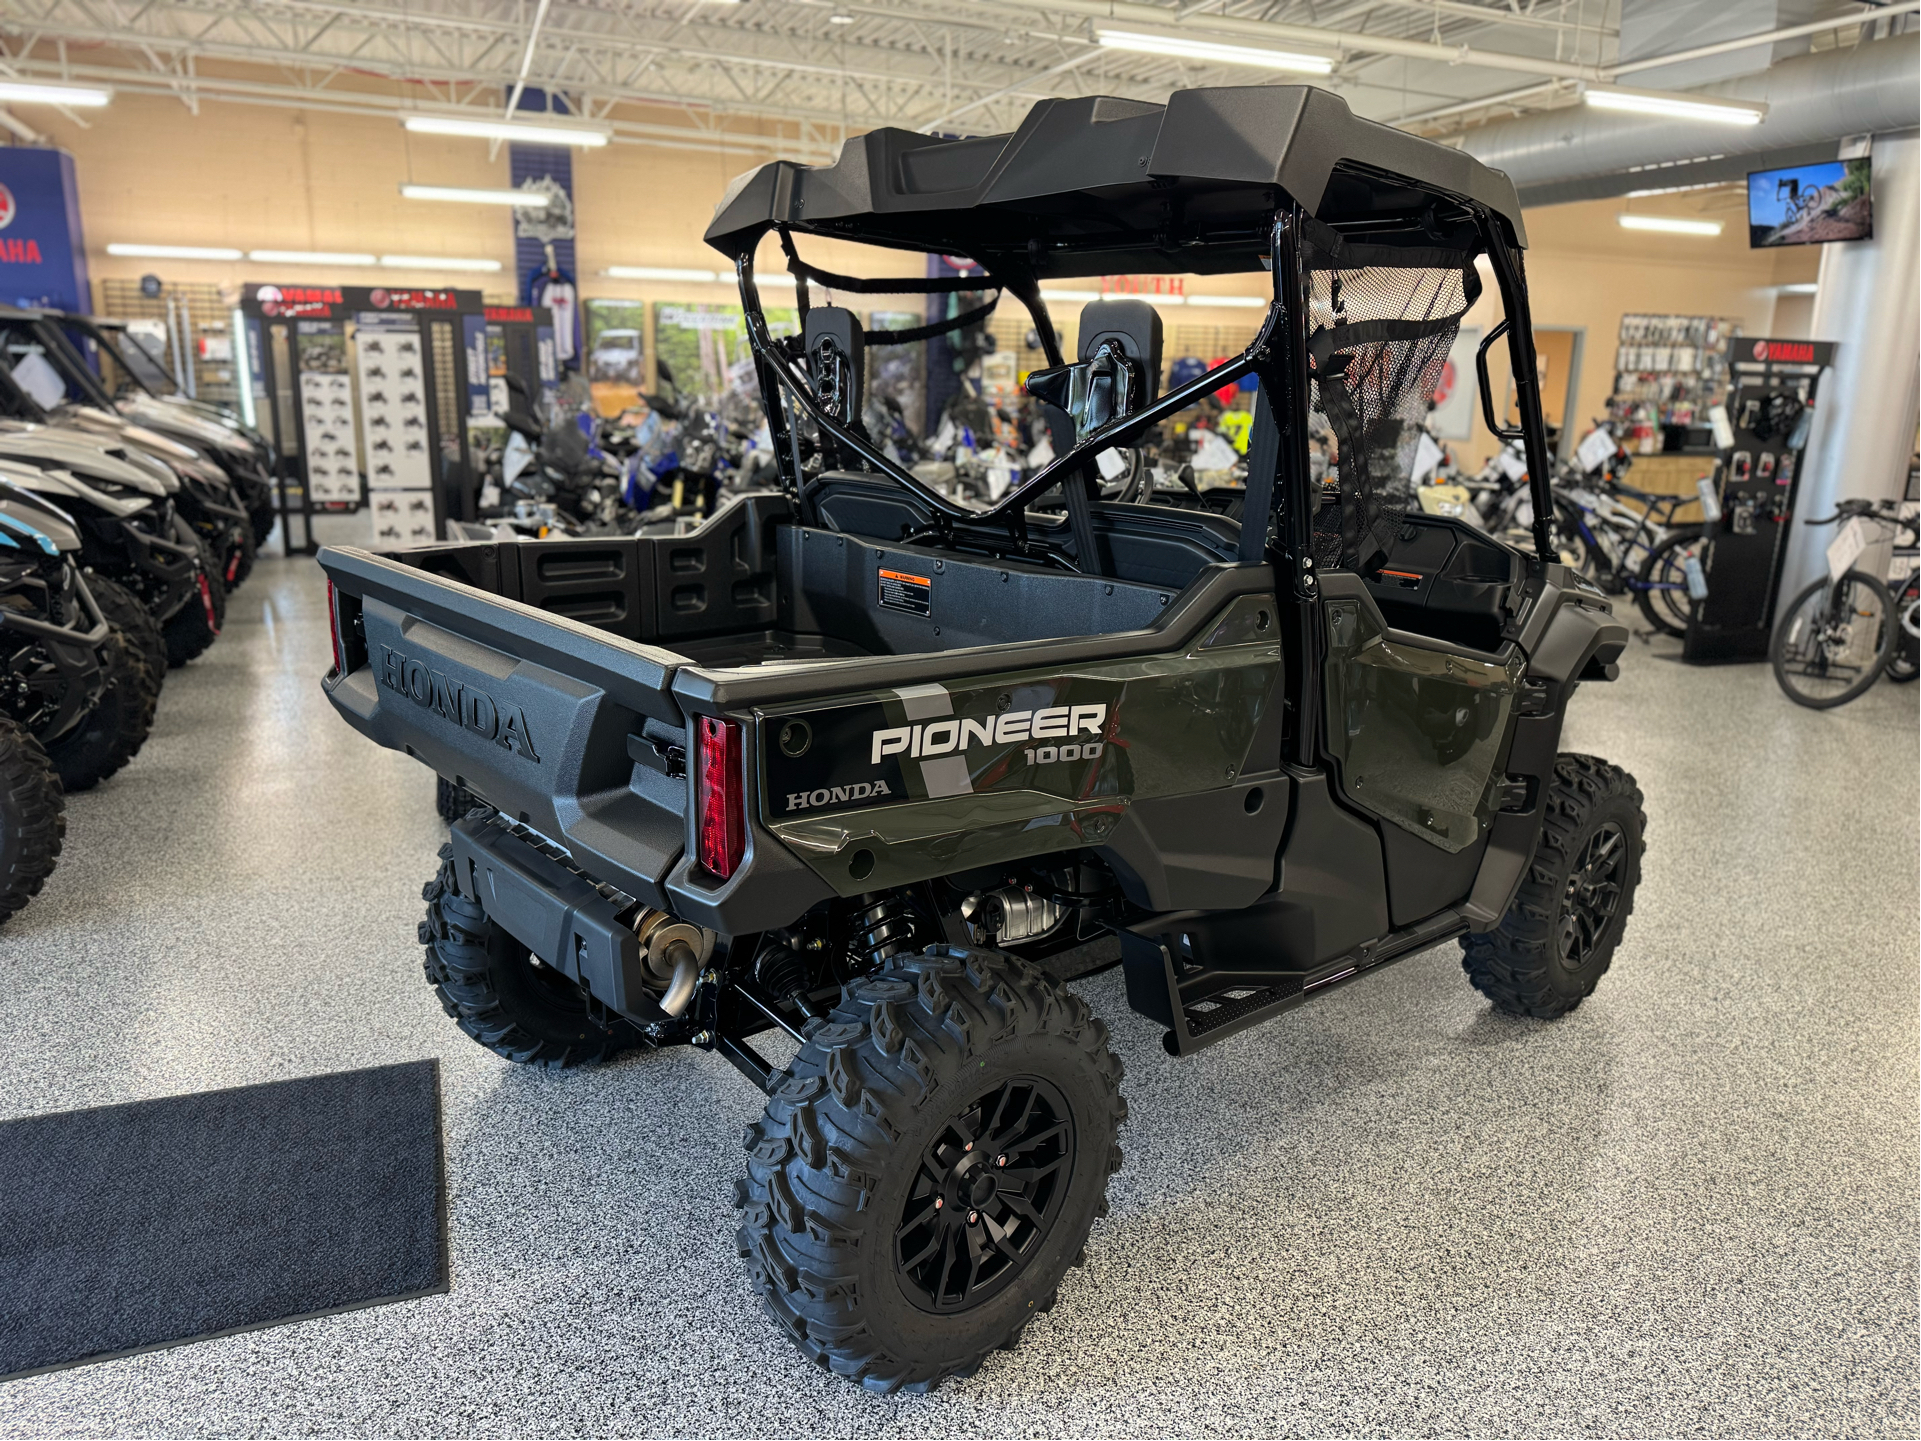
(43,255)
(544,239)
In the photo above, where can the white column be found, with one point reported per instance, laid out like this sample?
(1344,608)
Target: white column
(1869,303)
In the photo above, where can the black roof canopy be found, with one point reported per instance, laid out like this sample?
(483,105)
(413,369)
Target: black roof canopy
(1099,185)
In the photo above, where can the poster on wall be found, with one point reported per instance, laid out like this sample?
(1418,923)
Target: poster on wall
(616,353)
(1457,391)
(544,236)
(703,347)
(327,413)
(392,399)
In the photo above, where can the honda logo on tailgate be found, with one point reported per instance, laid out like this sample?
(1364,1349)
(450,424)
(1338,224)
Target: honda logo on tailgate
(501,722)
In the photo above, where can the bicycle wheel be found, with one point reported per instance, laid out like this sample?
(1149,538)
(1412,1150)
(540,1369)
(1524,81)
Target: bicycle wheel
(1834,640)
(1661,588)
(1569,543)
(1905,663)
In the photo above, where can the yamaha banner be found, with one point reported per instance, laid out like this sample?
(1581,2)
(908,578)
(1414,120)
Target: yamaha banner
(544,238)
(43,257)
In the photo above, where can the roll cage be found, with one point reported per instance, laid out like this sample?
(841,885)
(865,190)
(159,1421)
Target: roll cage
(1279,177)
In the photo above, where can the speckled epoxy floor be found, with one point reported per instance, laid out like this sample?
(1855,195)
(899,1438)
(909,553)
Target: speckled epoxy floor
(1688,1208)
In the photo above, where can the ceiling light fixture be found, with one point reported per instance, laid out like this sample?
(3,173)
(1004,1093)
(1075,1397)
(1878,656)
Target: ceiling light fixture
(1179,47)
(1799,287)
(525,199)
(174,252)
(1670,225)
(1676,107)
(658,272)
(310,257)
(840,17)
(21,92)
(1249,302)
(1073,297)
(436,262)
(520,130)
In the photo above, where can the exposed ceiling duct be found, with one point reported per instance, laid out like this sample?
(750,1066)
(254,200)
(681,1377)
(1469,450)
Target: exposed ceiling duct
(1873,87)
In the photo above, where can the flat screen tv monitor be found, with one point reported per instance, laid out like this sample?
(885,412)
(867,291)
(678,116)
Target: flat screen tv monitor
(1810,204)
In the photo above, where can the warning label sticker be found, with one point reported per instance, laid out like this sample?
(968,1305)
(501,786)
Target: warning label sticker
(900,591)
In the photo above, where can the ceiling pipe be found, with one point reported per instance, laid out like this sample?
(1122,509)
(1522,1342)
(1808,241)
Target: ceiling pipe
(1870,88)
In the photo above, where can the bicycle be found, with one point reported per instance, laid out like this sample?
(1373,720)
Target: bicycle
(1840,634)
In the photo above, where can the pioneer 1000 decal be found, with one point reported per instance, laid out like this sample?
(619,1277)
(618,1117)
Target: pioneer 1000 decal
(1160,725)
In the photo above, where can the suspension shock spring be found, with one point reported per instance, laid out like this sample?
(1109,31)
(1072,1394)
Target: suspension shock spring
(883,926)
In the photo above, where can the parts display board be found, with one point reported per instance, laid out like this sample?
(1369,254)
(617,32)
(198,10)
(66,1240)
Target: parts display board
(1769,411)
(365,394)
(400,478)
(506,340)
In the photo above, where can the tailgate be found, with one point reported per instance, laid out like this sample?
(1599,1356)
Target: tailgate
(565,728)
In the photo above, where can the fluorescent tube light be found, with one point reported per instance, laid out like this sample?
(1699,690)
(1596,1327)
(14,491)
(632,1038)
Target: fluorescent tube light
(776,281)
(1072,297)
(436,262)
(658,272)
(1800,287)
(1670,225)
(521,130)
(524,199)
(1250,302)
(21,92)
(310,257)
(1677,107)
(174,252)
(1180,47)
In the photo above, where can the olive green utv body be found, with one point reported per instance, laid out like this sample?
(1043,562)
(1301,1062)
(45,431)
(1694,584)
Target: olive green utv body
(876,772)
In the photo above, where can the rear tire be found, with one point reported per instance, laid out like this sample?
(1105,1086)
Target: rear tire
(33,819)
(1559,934)
(499,994)
(452,801)
(115,729)
(196,625)
(125,613)
(868,1147)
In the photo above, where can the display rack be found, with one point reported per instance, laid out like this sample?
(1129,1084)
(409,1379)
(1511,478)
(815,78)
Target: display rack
(1668,371)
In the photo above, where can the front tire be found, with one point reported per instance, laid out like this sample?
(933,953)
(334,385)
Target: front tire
(33,819)
(196,625)
(125,613)
(499,994)
(112,733)
(930,1167)
(1559,934)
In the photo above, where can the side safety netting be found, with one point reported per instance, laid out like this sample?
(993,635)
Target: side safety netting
(1381,323)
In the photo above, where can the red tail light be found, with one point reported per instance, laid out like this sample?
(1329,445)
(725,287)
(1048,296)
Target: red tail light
(333,629)
(718,798)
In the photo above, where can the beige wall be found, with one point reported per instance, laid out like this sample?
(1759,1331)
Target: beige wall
(1585,272)
(258,177)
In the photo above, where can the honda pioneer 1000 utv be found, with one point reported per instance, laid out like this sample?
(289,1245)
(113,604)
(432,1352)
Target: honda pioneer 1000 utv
(860,764)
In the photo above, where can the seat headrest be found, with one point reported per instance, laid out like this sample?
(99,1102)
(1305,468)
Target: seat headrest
(1135,324)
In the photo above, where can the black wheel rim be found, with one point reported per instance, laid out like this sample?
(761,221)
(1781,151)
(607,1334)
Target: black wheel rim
(1593,894)
(985,1195)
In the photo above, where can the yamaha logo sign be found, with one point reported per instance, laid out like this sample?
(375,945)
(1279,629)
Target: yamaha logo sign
(8,209)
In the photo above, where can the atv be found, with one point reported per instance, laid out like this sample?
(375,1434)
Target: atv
(132,531)
(69,673)
(875,773)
